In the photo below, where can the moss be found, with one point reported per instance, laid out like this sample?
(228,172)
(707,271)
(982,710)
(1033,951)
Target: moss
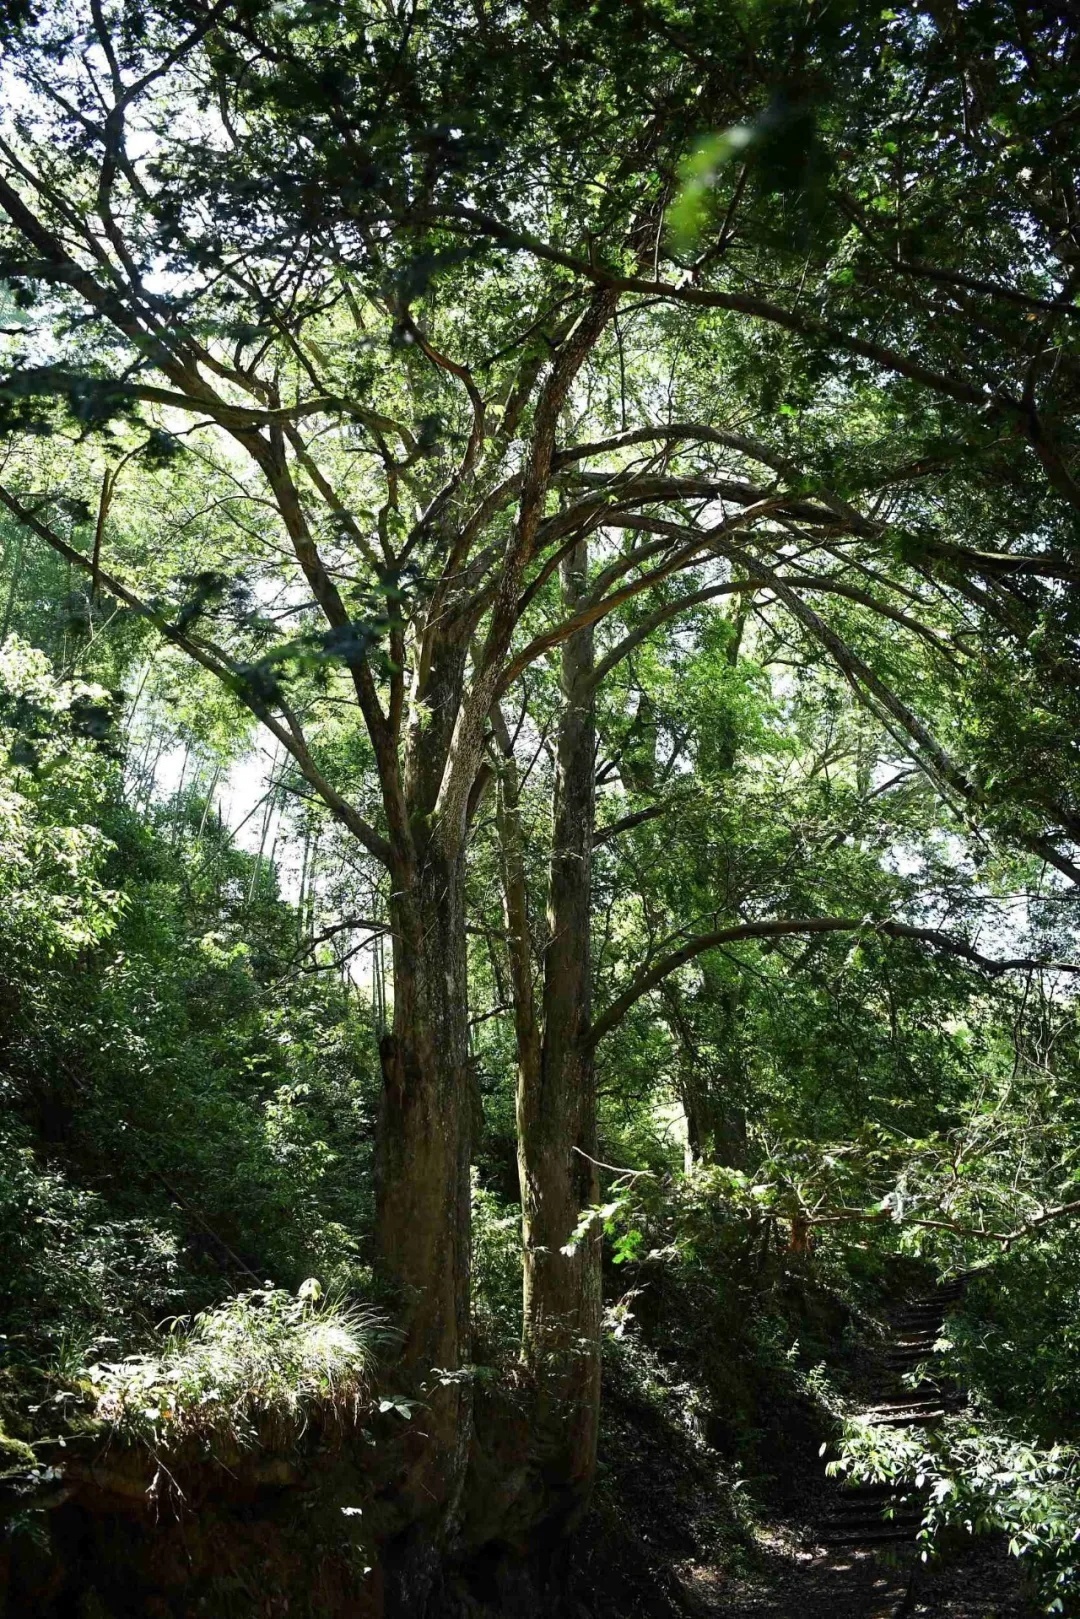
(14,1453)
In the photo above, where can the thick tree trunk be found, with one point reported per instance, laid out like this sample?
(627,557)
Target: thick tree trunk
(422,1180)
(557,1112)
(423,1170)
(711,1088)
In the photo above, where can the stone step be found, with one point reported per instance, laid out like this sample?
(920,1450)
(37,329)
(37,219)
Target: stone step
(924,1394)
(857,1515)
(910,1521)
(920,1420)
(901,1406)
(883,1535)
(865,1505)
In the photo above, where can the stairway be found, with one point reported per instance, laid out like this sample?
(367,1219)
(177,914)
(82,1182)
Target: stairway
(869,1516)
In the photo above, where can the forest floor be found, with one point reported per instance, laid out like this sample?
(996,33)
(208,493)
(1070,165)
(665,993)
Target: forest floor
(671,1538)
(684,1556)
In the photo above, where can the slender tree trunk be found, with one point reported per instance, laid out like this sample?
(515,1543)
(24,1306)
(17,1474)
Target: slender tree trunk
(19,547)
(557,1111)
(519,937)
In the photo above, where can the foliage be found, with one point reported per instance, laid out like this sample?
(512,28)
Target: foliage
(255,1368)
(52,862)
(179,1107)
(632,488)
(979,1479)
(496,1236)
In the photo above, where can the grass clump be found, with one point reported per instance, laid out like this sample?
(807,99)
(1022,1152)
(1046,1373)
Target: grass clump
(251,1371)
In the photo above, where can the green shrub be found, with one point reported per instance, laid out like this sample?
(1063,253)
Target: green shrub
(72,1268)
(981,1479)
(496,1256)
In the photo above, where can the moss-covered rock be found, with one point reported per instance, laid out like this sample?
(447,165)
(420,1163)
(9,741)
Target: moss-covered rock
(14,1453)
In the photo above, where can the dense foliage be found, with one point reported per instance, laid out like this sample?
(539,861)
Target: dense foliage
(181,1109)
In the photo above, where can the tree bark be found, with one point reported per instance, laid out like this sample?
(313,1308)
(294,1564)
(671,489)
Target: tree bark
(711,1087)
(557,1111)
(423,1204)
(422,1182)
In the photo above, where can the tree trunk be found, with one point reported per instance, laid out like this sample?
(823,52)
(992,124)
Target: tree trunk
(557,1112)
(711,1087)
(423,1213)
(422,1186)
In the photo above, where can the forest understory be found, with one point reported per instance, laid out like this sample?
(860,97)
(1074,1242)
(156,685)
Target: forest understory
(769,1553)
(679,1527)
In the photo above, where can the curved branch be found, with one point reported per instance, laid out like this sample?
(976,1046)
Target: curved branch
(596,608)
(890,359)
(650,977)
(865,683)
(1035,1222)
(869,688)
(669,610)
(626,823)
(991,563)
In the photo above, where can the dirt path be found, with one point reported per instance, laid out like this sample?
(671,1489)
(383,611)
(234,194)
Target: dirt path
(815,1584)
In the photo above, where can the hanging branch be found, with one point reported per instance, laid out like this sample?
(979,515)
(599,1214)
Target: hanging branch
(1027,1228)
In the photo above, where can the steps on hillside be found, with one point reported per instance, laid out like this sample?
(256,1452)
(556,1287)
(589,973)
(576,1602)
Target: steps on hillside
(869,1539)
(910,1419)
(885,1515)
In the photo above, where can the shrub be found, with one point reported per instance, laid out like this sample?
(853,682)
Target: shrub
(981,1479)
(496,1254)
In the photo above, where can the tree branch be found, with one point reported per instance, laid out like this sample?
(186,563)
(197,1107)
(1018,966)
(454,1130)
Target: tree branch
(650,977)
(1035,1223)
(626,823)
(807,326)
(287,734)
(472,718)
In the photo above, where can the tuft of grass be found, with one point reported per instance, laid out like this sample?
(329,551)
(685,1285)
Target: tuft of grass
(250,1371)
